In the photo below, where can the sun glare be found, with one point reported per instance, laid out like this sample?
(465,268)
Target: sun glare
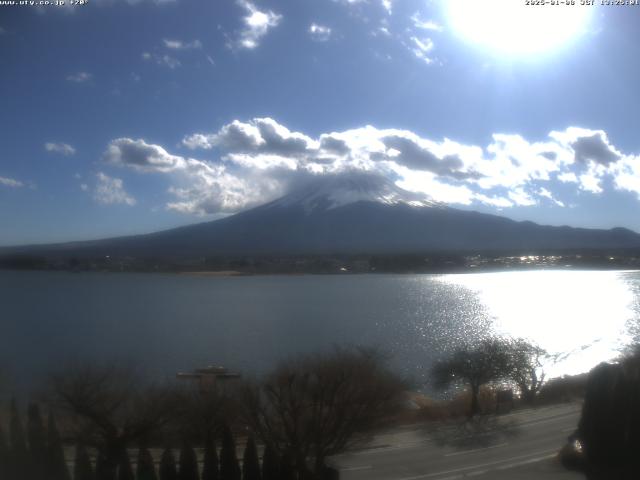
(515,27)
(581,313)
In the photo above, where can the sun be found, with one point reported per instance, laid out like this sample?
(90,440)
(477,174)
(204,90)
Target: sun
(518,27)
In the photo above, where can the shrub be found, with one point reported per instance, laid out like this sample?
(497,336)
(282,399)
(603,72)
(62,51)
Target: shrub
(168,469)
(270,464)
(82,469)
(125,472)
(210,468)
(229,467)
(37,443)
(250,462)
(57,464)
(329,400)
(188,463)
(145,469)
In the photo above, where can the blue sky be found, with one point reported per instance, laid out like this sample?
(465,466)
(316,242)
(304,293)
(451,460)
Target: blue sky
(126,117)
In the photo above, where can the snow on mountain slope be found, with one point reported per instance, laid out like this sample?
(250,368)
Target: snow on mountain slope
(327,193)
(354,214)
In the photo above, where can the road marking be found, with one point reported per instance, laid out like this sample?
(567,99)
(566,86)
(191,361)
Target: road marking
(466,475)
(544,454)
(353,469)
(526,462)
(390,448)
(463,452)
(544,420)
(401,446)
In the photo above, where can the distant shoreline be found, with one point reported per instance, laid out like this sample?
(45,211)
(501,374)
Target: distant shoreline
(237,273)
(323,264)
(214,273)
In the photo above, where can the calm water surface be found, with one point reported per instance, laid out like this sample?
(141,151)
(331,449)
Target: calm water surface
(167,323)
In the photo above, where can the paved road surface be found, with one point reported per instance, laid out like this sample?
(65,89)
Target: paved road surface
(518,446)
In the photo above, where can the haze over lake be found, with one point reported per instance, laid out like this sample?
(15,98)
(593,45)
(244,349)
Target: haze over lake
(166,323)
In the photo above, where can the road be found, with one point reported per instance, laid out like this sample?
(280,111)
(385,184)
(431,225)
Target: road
(517,446)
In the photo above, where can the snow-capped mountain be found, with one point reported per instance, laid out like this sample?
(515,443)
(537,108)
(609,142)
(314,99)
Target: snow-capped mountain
(331,192)
(351,215)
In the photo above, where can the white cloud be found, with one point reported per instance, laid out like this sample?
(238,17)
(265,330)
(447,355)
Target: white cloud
(351,2)
(494,201)
(257,160)
(421,48)
(10,182)
(590,183)
(544,193)
(593,158)
(141,156)
(180,45)
(383,30)
(200,187)
(217,191)
(387,5)
(319,33)
(520,197)
(418,22)
(162,60)
(429,184)
(257,24)
(516,162)
(261,135)
(588,145)
(568,177)
(627,175)
(61,148)
(110,191)
(418,38)
(79,77)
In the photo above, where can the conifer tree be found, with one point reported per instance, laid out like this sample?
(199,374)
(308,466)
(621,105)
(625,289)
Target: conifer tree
(210,469)
(4,456)
(270,464)
(250,462)
(82,469)
(18,453)
(56,463)
(103,469)
(125,472)
(168,466)
(37,443)
(229,467)
(145,469)
(188,463)
(287,471)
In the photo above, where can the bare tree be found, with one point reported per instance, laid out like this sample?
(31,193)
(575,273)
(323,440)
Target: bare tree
(315,406)
(474,366)
(203,413)
(526,361)
(111,408)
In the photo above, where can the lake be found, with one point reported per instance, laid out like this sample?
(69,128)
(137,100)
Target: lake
(166,323)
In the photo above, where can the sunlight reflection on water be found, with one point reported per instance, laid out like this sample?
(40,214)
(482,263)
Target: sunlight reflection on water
(250,323)
(581,315)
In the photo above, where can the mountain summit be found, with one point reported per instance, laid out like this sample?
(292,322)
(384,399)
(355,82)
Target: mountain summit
(330,192)
(360,214)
